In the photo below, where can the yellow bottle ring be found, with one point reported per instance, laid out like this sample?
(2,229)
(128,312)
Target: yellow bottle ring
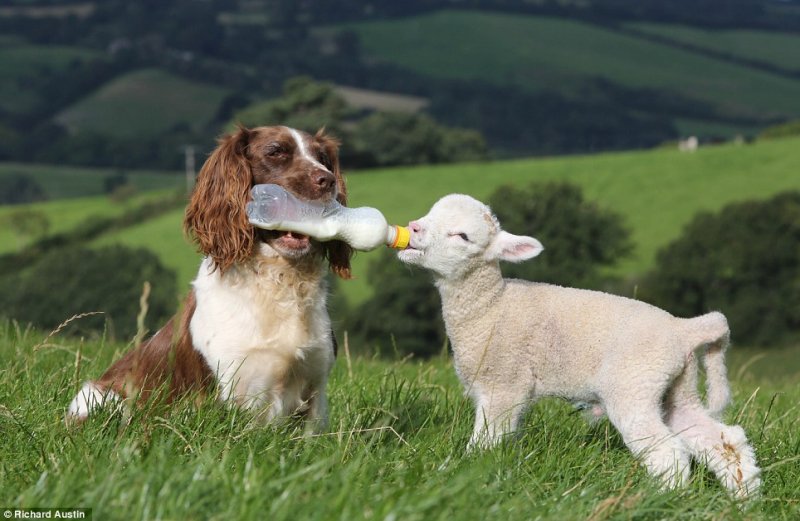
(401,237)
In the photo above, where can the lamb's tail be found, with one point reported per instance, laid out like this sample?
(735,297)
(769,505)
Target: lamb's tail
(712,332)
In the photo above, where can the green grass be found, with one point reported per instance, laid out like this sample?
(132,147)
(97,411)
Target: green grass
(21,62)
(534,53)
(778,49)
(394,450)
(149,101)
(63,215)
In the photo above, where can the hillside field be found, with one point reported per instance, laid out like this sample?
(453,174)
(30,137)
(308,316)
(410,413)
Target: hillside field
(140,99)
(395,449)
(535,53)
(778,49)
(657,192)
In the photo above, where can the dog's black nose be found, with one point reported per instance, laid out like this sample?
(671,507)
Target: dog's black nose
(324,180)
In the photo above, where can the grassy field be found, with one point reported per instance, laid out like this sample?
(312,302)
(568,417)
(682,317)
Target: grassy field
(533,53)
(394,450)
(657,192)
(778,49)
(65,214)
(139,99)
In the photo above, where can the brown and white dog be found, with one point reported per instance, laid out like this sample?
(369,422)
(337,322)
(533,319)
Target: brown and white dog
(255,322)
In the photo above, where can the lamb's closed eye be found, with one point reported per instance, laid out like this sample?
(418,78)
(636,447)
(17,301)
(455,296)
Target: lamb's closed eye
(462,235)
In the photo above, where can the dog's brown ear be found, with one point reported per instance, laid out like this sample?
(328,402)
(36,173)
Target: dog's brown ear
(338,253)
(215,217)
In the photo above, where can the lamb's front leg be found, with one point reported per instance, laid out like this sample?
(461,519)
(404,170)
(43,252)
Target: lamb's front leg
(316,419)
(496,415)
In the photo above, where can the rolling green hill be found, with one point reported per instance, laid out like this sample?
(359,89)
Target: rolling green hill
(657,192)
(148,101)
(534,53)
(777,49)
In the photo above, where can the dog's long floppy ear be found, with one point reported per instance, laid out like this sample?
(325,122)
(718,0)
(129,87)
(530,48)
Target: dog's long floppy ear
(215,217)
(338,253)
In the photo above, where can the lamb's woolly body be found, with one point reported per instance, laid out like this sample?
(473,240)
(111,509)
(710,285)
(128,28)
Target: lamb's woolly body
(275,323)
(564,332)
(515,341)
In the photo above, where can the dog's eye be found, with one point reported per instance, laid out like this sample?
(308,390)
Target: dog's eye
(323,158)
(275,150)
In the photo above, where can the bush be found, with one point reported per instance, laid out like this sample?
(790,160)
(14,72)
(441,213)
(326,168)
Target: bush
(788,129)
(579,237)
(743,261)
(20,189)
(68,282)
(404,313)
(305,105)
(27,224)
(393,138)
(379,139)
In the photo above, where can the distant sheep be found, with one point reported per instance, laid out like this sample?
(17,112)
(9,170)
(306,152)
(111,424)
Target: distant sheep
(515,341)
(689,144)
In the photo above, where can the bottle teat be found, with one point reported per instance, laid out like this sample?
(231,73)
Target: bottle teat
(402,236)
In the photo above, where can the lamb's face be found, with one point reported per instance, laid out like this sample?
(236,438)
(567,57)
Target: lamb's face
(460,233)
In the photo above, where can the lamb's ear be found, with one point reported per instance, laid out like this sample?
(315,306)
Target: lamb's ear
(513,248)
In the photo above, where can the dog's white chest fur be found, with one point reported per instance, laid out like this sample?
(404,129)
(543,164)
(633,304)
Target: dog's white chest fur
(264,331)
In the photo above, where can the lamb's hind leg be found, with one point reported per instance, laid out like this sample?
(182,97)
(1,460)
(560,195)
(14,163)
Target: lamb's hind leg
(723,448)
(648,437)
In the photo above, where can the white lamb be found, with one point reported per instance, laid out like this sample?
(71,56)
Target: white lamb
(515,341)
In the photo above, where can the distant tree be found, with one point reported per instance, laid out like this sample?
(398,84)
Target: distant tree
(68,282)
(9,140)
(395,138)
(379,139)
(20,189)
(579,236)
(114,181)
(305,104)
(744,261)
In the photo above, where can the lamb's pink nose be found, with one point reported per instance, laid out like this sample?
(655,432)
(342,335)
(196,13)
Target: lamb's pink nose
(414,227)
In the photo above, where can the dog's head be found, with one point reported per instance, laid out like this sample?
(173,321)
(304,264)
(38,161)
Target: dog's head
(306,165)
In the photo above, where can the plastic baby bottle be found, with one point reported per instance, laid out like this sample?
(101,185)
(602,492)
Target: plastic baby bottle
(365,228)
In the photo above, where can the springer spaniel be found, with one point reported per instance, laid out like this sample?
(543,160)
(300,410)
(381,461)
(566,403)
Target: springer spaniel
(255,323)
